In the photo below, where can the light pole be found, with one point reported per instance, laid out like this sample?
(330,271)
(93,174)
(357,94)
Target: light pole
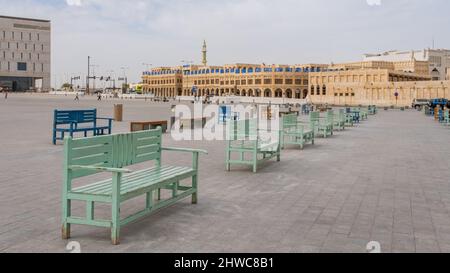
(93,75)
(112,78)
(124,69)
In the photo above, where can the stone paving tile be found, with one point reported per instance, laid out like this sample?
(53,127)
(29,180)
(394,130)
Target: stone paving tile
(384,180)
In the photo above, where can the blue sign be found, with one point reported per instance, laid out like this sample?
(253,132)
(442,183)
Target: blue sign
(224,114)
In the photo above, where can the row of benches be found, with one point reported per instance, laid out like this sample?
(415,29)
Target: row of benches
(115,154)
(249,145)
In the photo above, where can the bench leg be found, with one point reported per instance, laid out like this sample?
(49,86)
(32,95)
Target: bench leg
(65,230)
(54,137)
(194,186)
(175,189)
(149,200)
(115,209)
(228,154)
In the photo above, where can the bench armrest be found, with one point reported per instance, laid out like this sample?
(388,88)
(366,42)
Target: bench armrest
(100,169)
(186,150)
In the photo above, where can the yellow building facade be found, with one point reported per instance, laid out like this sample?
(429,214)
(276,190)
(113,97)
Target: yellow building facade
(373,87)
(249,80)
(357,83)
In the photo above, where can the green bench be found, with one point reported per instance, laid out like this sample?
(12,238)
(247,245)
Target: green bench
(322,126)
(363,113)
(88,156)
(349,120)
(294,132)
(372,109)
(339,122)
(245,139)
(446,120)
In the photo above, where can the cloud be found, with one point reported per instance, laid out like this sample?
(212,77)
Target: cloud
(121,33)
(77,3)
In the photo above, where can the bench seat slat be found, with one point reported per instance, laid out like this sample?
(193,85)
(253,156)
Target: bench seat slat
(103,187)
(155,177)
(136,180)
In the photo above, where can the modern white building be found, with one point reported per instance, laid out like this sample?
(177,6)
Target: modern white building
(25,59)
(439,59)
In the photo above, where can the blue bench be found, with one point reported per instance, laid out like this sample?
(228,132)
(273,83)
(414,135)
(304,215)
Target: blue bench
(75,121)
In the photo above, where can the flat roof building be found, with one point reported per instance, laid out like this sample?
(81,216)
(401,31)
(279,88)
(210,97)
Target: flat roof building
(439,59)
(25,53)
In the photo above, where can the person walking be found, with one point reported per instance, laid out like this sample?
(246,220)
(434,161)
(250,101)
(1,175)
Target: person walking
(6,94)
(76,97)
(99,96)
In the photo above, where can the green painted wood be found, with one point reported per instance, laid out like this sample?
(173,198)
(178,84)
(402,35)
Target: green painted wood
(295,133)
(83,221)
(244,137)
(339,123)
(322,126)
(90,210)
(67,186)
(84,157)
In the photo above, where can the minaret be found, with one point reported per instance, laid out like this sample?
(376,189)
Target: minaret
(204,51)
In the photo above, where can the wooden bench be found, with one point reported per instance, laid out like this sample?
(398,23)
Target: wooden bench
(294,132)
(363,113)
(339,122)
(354,114)
(74,121)
(244,138)
(446,119)
(88,156)
(137,126)
(322,126)
(372,109)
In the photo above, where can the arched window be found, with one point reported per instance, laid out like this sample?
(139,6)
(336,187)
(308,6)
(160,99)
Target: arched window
(324,90)
(318,90)
(312,90)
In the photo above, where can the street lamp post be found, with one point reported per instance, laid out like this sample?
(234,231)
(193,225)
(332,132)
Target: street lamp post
(124,69)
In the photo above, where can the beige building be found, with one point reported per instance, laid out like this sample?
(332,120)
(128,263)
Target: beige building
(357,83)
(373,86)
(251,80)
(438,59)
(25,46)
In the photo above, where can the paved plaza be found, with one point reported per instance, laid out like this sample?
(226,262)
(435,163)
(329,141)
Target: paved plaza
(385,180)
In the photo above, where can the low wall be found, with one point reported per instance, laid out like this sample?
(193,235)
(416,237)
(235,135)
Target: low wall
(238,99)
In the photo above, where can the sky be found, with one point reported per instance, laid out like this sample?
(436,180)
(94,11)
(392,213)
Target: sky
(122,36)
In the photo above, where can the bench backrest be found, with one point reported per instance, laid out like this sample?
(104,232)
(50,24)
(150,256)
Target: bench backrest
(330,116)
(114,151)
(314,116)
(77,116)
(341,115)
(289,121)
(242,129)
